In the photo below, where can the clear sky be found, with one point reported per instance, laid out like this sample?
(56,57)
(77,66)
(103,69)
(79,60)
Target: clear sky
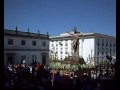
(59,16)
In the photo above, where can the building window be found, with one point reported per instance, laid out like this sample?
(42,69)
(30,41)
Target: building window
(56,52)
(106,42)
(66,44)
(34,59)
(22,42)
(43,43)
(10,41)
(110,43)
(110,52)
(98,60)
(52,45)
(97,44)
(61,52)
(102,44)
(56,49)
(34,43)
(66,52)
(56,44)
(98,53)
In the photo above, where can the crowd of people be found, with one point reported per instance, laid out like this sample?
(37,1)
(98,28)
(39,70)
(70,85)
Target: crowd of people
(40,77)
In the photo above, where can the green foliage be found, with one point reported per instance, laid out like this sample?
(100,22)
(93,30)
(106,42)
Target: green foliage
(69,64)
(105,62)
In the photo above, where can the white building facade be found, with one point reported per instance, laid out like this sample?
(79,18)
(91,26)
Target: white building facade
(25,46)
(93,47)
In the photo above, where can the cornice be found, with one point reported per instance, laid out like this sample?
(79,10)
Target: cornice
(83,36)
(26,50)
(25,34)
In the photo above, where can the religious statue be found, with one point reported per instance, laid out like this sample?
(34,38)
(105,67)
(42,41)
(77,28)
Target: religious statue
(75,39)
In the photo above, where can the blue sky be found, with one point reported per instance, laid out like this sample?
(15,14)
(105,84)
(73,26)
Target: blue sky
(59,16)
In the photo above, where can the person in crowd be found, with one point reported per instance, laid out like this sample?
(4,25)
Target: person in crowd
(86,85)
(58,81)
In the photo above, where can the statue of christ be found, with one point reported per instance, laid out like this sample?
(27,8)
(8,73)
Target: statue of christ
(75,40)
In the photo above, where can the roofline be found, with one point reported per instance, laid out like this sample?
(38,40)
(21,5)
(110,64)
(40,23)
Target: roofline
(8,32)
(24,32)
(85,35)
